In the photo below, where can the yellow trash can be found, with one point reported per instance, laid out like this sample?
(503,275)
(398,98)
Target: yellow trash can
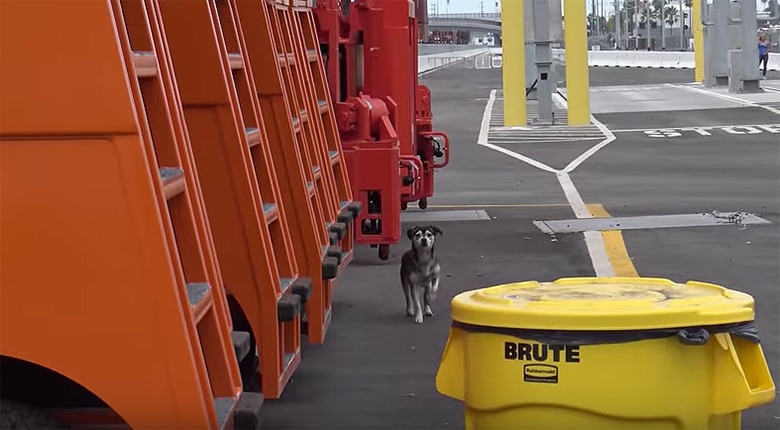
(604,353)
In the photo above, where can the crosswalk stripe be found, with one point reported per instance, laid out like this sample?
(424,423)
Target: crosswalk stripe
(499,134)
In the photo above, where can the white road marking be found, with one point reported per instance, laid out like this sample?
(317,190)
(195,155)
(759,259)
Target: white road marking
(593,239)
(703,130)
(727,97)
(483,138)
(609,138)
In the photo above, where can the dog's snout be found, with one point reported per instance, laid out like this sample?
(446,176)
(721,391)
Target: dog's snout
(424,241)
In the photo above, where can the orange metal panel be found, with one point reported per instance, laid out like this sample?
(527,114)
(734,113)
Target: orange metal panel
(90,214)
(44,54)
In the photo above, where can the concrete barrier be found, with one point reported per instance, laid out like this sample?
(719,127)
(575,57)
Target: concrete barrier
(438,56)
(431,62)
(650,59)
(434,48)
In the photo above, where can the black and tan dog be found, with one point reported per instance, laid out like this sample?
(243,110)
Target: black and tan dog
(420,271)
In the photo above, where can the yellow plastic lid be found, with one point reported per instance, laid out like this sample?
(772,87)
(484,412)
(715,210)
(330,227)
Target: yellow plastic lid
(602,304)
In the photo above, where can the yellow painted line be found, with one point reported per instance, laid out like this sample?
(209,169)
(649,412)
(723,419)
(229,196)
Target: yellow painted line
(614,245)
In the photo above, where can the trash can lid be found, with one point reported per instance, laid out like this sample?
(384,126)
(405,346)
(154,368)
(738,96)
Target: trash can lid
(602,304)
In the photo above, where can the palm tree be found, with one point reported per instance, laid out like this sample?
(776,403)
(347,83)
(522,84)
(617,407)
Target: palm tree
(671,15)
(629,7)
(656,14)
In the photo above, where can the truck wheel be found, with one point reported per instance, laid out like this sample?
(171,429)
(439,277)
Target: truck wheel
(19,416)
(423,203)
(384,252)
(404,205)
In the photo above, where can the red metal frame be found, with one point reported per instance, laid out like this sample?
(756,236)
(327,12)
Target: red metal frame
(384,115)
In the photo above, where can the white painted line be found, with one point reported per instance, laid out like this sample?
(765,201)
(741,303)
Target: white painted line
(485,125)
(593,239)
(727,97)
(483,138)
(523,158)
(696,129)
(573,196)
(609,138)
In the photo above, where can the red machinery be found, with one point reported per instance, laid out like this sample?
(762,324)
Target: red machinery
(384,115)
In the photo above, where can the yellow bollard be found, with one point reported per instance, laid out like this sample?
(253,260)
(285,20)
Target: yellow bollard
(513,67)
(577,78)
(698,42)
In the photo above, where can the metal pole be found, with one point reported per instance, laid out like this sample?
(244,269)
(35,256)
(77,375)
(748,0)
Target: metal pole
(698,39)
(541,12)
(513,67)
(617,24)
(647,22)
(682,26)
(749,45)
(663,25)
(717,69)
(577,80)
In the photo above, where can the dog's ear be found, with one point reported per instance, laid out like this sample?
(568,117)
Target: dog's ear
(435,230)
(410,233)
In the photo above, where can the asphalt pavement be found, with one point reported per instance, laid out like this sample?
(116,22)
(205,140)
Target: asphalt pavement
(376,369)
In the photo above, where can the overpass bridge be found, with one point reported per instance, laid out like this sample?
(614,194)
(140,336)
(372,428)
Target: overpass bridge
(466,21)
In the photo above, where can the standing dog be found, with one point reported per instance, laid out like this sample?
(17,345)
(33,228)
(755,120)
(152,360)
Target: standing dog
(420,271)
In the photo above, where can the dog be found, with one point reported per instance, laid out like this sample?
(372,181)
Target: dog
(420,271)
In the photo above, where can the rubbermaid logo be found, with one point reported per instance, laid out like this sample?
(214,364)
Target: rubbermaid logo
(544,373)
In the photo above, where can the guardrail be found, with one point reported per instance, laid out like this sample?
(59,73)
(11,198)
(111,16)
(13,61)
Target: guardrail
(476,15)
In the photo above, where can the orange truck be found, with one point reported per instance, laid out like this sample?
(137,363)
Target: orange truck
(174,210)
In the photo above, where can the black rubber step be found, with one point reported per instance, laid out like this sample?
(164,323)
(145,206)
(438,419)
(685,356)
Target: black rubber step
(241,343)
(302,287)
(345,216)
(339,228)
(330,267)
(333,238)
(248,414)
(335,252)
(289,306)
(356,207)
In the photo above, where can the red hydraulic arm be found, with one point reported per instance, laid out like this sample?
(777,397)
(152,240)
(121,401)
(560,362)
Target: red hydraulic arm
(385,120)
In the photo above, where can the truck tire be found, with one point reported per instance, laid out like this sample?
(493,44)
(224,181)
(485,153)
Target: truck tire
(19,416)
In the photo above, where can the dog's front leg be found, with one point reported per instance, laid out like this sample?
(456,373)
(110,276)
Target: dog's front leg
(408,297)
(434,287)
(418,306)
(427,298)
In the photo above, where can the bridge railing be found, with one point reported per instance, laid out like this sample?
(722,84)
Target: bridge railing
(492,16)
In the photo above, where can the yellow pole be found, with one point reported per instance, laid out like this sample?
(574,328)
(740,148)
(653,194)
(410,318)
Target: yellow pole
(513,62)
(577,80)
(698,41)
